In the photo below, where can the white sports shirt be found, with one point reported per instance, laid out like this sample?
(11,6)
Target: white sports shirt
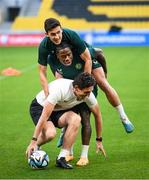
(61,95)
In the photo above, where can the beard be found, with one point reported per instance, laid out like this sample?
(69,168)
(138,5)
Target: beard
(80,98)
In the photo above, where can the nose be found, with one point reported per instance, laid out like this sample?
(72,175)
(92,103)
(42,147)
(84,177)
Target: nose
(67,58)
(56,36)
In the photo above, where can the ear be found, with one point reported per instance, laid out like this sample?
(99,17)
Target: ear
(46,34)
(61,29)
(76,88)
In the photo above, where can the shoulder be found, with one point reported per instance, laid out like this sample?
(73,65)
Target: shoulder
(61,82)
(91,100)
(60,86)
(44,42)
(68,33)
(46,46)
(43,46)
(74,39)
(91,96)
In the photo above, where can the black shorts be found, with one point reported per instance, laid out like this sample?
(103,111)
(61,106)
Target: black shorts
(36,111)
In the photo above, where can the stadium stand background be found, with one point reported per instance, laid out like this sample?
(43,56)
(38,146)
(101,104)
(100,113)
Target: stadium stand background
(88,15)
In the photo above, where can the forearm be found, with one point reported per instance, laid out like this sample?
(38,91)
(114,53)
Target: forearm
(37,131)
(40,126)
(86,57)
(98,124)
(98,120)
(47,110)
(88,66)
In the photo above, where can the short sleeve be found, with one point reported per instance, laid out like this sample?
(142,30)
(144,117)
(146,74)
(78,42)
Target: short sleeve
(54,96)
(43,53)
(91,100)
(75,40)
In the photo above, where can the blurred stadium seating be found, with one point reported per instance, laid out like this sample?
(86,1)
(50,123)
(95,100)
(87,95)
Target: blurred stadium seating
(87,14)
(94,20)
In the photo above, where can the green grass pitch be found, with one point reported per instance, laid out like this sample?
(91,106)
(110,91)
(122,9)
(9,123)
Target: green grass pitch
(127,154)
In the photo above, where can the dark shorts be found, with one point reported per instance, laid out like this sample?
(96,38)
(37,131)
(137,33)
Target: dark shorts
(36,111)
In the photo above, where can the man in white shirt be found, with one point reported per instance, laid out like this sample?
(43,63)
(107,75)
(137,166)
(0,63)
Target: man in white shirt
(59,109)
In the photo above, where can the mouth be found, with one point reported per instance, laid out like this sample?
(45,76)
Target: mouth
(57,41)
(67,63)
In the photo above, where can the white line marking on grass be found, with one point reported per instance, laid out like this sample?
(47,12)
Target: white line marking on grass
(24,70)
(28,68)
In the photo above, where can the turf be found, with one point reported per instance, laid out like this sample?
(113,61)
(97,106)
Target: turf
(127,154)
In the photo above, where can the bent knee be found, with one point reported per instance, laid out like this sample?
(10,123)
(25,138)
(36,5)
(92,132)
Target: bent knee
(50,134)
(101,79)
(75,120)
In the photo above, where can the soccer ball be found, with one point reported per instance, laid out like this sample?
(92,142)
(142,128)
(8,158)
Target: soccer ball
(38,159)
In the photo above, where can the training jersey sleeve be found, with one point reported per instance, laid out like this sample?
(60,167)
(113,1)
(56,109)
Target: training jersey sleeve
(43,53)
(54,96)
(91,100)
(75,40)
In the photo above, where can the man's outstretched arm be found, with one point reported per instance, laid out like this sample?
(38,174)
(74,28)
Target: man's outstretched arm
(98,123)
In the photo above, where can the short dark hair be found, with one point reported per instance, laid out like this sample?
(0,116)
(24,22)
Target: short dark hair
(63,45)
(51,23)
(84,80)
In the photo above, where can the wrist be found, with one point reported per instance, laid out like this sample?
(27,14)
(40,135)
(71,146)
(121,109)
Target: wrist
(34,139)
(99,139)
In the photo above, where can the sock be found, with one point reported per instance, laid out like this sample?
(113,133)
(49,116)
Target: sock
(71,151)
(63,153)
(84,153)
(122,113)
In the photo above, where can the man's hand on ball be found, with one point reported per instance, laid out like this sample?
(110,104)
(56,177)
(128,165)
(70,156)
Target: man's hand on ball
(31,148)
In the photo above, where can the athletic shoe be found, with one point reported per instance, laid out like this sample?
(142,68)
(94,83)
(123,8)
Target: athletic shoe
(62,163)
(69,158)
(128,126)
(82,162)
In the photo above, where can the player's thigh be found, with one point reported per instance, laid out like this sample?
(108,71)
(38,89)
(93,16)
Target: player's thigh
(69,117)
(35,111)
(101,80)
